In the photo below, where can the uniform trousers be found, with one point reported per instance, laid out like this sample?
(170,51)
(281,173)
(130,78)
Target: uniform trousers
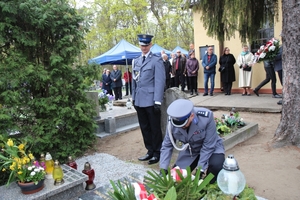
(151,130)
(215,164)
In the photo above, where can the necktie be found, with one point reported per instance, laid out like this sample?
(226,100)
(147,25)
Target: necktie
(177,61)
(144,57)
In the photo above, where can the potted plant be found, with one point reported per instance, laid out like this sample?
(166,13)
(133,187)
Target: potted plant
(22,166)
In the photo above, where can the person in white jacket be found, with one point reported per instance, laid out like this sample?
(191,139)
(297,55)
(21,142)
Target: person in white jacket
(245,62)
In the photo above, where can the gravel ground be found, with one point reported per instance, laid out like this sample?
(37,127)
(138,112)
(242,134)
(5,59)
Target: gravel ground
(108,168)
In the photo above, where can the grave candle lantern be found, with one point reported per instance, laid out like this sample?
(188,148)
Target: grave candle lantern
(91,174)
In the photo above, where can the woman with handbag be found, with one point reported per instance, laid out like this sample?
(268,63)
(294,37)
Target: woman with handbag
(245,62)
(226,69)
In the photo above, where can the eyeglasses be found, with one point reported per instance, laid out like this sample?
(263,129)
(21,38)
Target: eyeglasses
(178,52)
(210,49)
(227,50)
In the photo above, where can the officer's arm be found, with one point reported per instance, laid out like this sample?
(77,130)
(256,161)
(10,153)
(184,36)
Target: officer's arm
(166,152)
(133,83)
(209,143)
(159,80)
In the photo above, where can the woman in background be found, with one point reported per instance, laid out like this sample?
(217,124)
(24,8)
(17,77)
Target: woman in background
(227,62)
(245,62)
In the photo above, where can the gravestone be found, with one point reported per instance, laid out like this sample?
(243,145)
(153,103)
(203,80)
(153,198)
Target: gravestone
(170,95)
(94,97)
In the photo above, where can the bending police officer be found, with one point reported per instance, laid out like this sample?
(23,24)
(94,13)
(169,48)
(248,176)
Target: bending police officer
(195,128)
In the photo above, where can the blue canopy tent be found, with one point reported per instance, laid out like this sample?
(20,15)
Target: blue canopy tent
(156,49)
(121,54)
(181,49)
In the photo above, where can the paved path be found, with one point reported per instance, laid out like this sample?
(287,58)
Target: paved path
(263,103)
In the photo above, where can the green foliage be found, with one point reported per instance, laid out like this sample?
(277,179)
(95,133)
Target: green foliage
(228,124)
(42,92)
(116,20)
(186,189)
(222,18)
(214,192)
(121,191)
(171,194)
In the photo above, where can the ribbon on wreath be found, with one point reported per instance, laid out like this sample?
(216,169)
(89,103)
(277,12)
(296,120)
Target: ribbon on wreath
(140,192)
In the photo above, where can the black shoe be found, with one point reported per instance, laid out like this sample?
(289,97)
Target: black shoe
(256,92)
(191,93)
(279,102)
(211,94)
(226,94)
(277,96)
(120,98)
(197,93)
(205,94)
(145,157)
(153,160)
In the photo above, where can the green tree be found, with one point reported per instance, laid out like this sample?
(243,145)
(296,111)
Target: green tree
(41,89)
(116,20)
(222,18)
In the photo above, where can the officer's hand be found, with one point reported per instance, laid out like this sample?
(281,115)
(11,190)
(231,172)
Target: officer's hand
(161,172)
(202,175)
(133,102)
(156,108)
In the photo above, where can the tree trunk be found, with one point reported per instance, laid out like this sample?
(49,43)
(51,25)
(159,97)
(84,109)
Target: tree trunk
(288,130)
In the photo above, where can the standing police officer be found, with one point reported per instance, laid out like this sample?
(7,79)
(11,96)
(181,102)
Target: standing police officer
(148,82)
(195,129)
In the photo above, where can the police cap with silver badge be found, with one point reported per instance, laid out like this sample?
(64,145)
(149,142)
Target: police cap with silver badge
(180,111)
(145,39)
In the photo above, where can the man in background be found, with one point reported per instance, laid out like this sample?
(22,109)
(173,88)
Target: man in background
(116,77)
(209,62)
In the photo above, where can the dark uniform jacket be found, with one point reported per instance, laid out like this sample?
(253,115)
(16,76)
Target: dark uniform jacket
(202,137)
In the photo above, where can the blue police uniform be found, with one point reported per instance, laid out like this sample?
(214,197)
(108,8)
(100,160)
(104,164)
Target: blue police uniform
(148,82)
(205,148)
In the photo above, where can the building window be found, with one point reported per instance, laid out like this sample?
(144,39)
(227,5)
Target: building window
(263,35)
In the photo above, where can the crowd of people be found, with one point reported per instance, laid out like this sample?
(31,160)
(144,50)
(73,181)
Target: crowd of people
(182,71)
(202,148)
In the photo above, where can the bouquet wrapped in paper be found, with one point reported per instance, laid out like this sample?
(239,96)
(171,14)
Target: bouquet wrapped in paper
(268,51)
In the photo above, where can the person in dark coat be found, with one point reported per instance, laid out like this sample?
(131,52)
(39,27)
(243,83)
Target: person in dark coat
(106,82)
(168,69)
(227,62)
(278,68)
(178,67)
(116,77)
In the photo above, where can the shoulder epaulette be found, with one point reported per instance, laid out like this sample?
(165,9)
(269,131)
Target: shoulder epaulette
(203,113)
